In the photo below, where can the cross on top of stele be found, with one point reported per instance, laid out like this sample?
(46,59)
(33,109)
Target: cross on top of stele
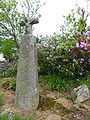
(28,22)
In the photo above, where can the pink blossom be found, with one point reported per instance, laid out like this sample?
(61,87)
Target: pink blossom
(81,62)
(83,33)
(82,40)
(81,50)
(87,44)
(82,59)
(88,51)
(83,44)
(77,45)
(79,33)
(71,50)
(88,33)
(74,60)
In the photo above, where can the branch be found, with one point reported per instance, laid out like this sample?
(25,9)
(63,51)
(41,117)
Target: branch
(6,28)
(15,40)
(13,35)
(13,30)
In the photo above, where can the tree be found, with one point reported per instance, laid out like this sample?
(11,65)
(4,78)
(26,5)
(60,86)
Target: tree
(9,21)
(75,22)
(10,18)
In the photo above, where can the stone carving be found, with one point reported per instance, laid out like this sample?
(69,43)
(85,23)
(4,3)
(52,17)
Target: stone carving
(27,96)
(80,94)
(28,22)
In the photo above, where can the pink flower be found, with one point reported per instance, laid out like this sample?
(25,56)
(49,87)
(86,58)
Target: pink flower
(81,62)
(71,50)
(83,33)
(82,59)
(83,44)
(79,33)
(88,51)
(82,40)
(88,33)
(74,60)
(77,45)
(87,45)
(81,50)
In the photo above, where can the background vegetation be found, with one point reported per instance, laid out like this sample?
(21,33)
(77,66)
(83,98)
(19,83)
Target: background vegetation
(63,57)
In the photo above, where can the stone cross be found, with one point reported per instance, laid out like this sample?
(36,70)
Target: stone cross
(28,23)
(27,96)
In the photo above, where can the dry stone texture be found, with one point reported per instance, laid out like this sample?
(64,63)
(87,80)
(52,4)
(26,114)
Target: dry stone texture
(27,76)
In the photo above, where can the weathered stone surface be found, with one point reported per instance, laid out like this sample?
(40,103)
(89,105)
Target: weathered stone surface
(80,94)
(53,117)
(27,76)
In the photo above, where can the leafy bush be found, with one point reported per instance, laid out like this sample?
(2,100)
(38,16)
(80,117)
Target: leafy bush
(8,68)
(67,53)
(8,48)
(72,61)
(79,57)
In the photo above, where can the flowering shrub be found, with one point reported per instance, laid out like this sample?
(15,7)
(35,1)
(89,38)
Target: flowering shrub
(8,68)
(58,58)
(80,55)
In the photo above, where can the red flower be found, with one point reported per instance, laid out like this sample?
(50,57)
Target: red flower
(82,40)
(71,50)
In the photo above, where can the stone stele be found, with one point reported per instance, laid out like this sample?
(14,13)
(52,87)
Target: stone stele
(27,96)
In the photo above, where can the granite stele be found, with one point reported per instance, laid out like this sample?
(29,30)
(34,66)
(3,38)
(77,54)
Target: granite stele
(27,96)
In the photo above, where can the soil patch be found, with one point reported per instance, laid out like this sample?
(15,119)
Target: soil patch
(52,105)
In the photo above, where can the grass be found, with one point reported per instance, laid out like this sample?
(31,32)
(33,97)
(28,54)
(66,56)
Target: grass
(89,117)
(4,117)
(1,104)
(1,79)
(16,117)
(9,82)
(52,82)
(56,82)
